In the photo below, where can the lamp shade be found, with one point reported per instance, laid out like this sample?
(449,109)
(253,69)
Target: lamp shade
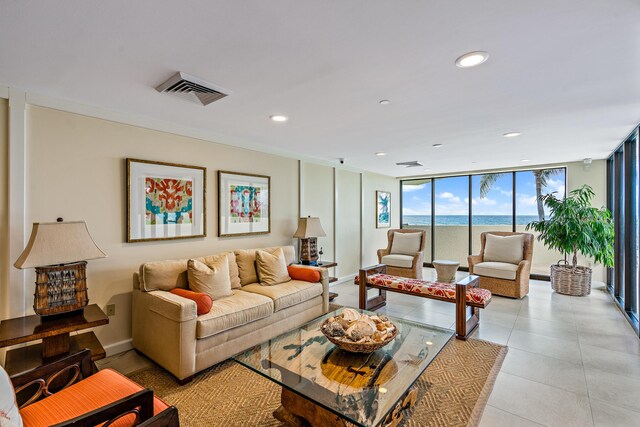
(58,243)
(309,227)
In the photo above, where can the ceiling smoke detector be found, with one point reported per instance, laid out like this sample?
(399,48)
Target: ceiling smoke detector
(192,89)
(411,164)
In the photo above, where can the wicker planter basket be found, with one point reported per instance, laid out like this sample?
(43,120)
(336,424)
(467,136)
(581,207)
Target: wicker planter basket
(565,280)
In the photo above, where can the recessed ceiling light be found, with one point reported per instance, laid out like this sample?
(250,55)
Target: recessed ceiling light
(279,118)
(427,170)
(525,160)
(437,145)
(472,59)
(381,153)
(385,102)
(512,134)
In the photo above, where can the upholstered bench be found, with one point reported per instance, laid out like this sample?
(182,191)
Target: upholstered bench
(466,294)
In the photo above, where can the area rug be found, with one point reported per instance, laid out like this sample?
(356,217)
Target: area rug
(453,391)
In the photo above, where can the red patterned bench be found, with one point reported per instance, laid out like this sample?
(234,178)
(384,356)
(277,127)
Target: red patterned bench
(466,294)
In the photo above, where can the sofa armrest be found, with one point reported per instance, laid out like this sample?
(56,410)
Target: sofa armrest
(163,327)
(473,260)
(324,281)
(381,253)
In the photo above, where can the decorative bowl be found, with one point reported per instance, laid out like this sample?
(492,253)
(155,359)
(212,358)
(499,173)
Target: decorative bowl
(365,345)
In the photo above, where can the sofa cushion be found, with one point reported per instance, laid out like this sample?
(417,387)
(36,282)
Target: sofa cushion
(9,413)
(233,311)
(164,275)
(96,391)
(246,260)
(503,248)
(212,279)
(499,270)
(233,267)
(287,294)
(406,243)
(271,267)
(395,260)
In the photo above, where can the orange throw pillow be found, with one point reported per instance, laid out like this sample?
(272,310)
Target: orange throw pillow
(306,274)
(203,301)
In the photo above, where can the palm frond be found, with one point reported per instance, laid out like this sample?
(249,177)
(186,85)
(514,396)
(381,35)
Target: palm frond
(487,182)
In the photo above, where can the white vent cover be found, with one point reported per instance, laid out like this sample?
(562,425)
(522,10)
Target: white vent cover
(411,164)
(192,89)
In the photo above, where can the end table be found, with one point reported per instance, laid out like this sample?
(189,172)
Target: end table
(56,339)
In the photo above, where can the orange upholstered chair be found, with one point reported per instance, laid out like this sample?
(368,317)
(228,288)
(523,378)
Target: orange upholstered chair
(56,397)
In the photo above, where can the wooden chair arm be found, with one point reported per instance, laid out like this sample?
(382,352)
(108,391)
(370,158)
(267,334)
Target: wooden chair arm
(167,418)
(78,365)
(374,269)
(139,404)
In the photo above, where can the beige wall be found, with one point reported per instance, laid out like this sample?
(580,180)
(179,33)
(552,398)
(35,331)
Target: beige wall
(76,170)
(376,238)
(4,220)
(318,200)
(348,228)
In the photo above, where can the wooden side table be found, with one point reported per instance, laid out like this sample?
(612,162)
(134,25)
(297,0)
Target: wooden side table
(56,339)
(326,264)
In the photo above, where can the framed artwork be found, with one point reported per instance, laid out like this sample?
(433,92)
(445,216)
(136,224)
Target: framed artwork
(383,209)
(165,201)
(243,204)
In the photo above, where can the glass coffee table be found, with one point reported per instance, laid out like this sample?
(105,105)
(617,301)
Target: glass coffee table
(325,386)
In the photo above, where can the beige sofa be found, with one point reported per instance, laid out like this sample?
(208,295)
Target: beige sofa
(166,328)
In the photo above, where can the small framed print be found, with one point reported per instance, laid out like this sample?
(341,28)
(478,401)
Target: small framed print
(383,209)
(243,204)
(165,201)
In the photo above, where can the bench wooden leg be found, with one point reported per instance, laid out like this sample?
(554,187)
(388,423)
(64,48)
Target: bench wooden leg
(465,325)
(363,300)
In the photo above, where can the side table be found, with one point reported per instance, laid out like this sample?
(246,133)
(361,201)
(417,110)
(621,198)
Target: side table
(446,270)
(56,339)
(326,264)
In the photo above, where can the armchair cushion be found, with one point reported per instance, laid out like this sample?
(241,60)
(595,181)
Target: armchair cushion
(230,312)
(9,413)
(508,249)
(499,270)
(103,388)
(406,243)
(394,260)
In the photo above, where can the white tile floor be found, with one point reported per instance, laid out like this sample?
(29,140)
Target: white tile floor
(572,361)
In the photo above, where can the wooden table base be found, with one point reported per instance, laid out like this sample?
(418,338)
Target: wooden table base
(296,411)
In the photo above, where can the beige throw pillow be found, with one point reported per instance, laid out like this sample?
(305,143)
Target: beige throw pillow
(212,279)
(406,243)
(246,261)
(272,267)
(507,249)
(233,267)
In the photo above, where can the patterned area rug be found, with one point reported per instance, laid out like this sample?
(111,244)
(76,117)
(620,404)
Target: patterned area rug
(453,391)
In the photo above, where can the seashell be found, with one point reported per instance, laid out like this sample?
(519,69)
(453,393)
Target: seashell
(335,329)
(361,328)
(345,323)
(377,336)
(381,327)
(383,318)
(331,320)
(350,314)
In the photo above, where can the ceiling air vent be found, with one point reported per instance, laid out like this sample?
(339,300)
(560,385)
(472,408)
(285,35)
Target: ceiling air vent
(192,89)
(411,164)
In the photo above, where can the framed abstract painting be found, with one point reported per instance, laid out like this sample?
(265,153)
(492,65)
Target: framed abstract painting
(383,209)
(165,201)
(243,204)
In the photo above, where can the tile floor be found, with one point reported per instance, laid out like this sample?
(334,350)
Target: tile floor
(571,362)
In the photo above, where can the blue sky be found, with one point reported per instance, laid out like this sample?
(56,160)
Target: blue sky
(452,195)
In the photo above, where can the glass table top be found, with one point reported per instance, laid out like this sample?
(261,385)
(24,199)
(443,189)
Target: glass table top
(362,388)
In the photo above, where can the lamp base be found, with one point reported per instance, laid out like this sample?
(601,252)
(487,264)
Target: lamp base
(309,251)
(60,289)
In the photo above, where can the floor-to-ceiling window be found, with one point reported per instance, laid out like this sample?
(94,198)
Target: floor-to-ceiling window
(622,200)
(456,210)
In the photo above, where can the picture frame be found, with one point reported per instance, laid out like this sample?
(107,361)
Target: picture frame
(165,201)
(383,209)
(244,204)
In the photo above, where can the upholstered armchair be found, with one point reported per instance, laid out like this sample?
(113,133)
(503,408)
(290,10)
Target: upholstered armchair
(404,253)
(504,263)
(66,393)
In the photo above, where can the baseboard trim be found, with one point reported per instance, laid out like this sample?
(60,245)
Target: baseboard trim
(118,347)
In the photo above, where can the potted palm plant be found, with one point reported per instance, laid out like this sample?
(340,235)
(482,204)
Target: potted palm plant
(575,227)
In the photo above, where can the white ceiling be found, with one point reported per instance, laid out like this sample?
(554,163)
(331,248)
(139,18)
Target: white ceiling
(564,73)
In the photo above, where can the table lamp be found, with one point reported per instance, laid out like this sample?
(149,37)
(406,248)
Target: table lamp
(58,251)
(309,229)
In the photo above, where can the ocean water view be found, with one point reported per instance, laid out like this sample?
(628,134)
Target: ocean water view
(425,220)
